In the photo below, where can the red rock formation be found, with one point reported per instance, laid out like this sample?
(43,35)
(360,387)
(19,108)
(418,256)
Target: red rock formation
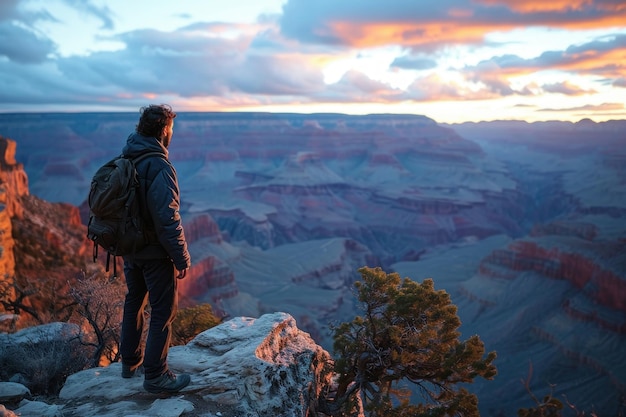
(7,256)
(565,261)
(209,280)
(592,316)
(582,359)
(585,231)
(201,227)
(13,178)
(13,185)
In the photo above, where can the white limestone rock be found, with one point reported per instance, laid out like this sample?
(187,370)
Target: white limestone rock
(45,333)
(266,365)
(257,366)
(38,408)
(12,391)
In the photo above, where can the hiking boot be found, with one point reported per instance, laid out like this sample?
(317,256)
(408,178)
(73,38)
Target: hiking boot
(168,382)
(129,371)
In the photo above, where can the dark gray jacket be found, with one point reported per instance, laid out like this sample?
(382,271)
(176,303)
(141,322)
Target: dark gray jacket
(159,202)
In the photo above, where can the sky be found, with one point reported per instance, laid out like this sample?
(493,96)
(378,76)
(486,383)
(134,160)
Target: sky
(450,60)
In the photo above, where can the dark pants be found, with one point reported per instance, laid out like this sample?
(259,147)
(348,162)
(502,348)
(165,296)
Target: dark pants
(154,281)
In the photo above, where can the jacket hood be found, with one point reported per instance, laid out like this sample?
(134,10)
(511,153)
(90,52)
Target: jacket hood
(137,144)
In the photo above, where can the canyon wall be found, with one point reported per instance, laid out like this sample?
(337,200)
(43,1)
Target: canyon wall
(43,245)
(13,185)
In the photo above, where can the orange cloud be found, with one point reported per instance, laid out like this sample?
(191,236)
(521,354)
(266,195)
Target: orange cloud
(606,59)
(374,34)
(607,63)
(534,6)
(566,88)
(433,88)
(469,24)
(590,107)
(601,22)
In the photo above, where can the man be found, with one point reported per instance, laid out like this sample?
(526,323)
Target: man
(152,272)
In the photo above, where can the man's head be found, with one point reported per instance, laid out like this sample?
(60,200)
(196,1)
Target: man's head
(157,121)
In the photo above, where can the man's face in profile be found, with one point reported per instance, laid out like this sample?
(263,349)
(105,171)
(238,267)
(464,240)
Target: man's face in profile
(168,131)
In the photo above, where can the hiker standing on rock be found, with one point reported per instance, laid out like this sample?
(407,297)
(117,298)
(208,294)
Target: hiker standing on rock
(152,272)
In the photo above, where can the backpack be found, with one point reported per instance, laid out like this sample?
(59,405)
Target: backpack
(114,219)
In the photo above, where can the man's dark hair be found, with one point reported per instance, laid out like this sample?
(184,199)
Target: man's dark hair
(154,118)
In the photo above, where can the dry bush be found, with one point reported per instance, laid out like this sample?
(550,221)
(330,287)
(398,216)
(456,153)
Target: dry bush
(42,366)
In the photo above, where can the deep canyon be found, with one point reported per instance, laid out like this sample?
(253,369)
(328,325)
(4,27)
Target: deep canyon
(524,225)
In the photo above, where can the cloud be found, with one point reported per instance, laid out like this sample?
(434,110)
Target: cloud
(413,63)
(556,6)
(605,57)
(225,62)
(356,87)
(286,75)
(192,61)
(45,84)
(566,88)
(491,75)
(589,107)
(8,9)
(87,7)
(20,41)
(434,88)
(22,45)
(428,26)
(371,23)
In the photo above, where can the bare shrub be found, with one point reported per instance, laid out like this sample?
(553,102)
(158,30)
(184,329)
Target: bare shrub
(44,365)
(100,302)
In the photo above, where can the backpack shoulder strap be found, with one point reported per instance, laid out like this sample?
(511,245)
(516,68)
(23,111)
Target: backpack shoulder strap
(135,160)
(144,156)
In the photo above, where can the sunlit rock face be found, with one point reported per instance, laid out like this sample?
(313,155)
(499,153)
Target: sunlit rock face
(523,224)
(7,259)
(36,238)
(12,177)
(13,185)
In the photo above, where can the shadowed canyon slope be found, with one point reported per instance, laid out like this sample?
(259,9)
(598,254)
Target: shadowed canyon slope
(523,224)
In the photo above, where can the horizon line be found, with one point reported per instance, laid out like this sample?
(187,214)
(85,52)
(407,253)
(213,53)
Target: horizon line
(295,113)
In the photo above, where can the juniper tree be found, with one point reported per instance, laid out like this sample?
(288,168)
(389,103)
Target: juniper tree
(191,321)
(403,357)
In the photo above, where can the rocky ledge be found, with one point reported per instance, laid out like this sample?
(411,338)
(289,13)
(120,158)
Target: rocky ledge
(244,367)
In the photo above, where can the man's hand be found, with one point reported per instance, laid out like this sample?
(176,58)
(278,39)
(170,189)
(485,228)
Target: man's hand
(181,274)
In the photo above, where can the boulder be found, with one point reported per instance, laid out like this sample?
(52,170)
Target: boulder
(12,391)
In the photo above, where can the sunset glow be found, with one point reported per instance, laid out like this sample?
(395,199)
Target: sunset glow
(453,61)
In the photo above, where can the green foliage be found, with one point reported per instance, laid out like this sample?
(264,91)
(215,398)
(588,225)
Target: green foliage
(191,321)
(407,338)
